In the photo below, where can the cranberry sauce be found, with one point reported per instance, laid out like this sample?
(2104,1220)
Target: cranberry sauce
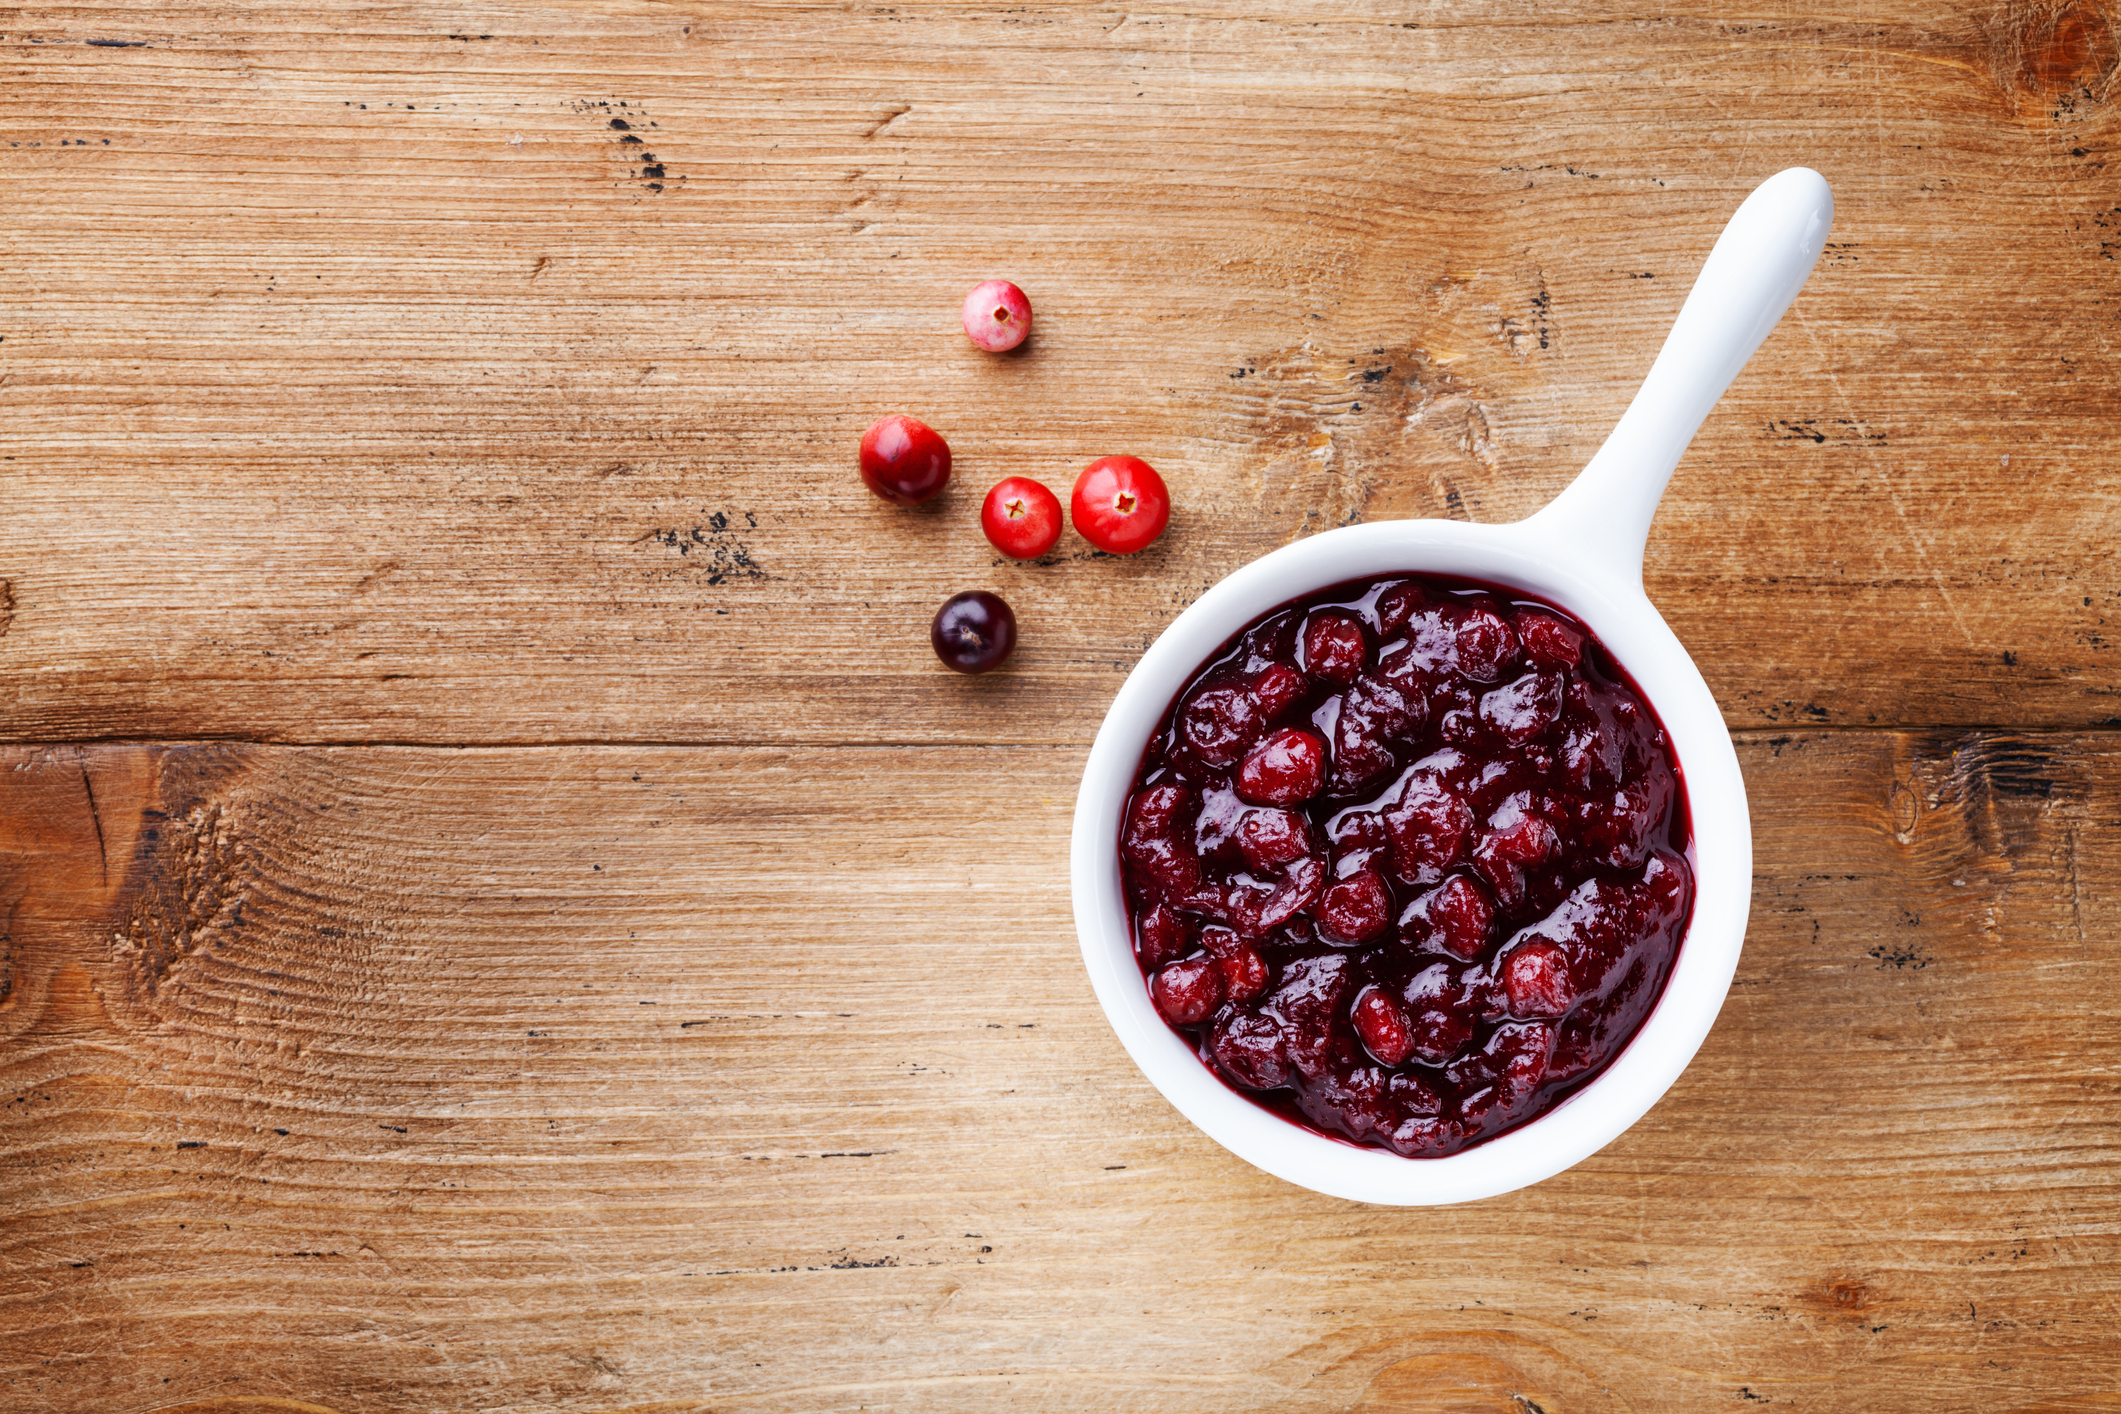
(1406,862)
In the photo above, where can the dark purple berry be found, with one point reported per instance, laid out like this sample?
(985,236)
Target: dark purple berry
(973,632)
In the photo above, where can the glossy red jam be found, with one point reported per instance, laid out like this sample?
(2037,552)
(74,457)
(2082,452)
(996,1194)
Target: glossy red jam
(1406,862)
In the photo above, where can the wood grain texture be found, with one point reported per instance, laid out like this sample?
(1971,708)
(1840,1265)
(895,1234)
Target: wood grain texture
(622,1078)
(503,912)
(358,383)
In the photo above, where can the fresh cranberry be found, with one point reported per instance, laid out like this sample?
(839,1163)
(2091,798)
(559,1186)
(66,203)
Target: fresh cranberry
(1357,908)
(904,460)
(1382,1026)
(973,632)
(1120,505)
(1185,992)
(1021,518)
(997,316)
(1287,768)
(1335,650)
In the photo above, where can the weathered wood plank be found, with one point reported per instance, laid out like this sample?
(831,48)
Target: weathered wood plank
(658,1078)
(357,385)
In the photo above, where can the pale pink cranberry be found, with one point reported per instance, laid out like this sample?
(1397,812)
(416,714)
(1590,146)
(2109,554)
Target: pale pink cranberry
(1186,992)
(997,316)
(1335,650)
(1287,768)
(1382,1026)
(1357,908)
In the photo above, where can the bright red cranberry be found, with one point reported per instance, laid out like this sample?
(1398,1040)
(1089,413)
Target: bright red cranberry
(1287,768)
(904,460)
(1335,650)
(1382,1026)
(1272,838)
(1486,644)
(1186,992)
(1548,641)
(1120,505)
(1357,908)
(1021,518)
(997,316)
(973,632)
(1536,977)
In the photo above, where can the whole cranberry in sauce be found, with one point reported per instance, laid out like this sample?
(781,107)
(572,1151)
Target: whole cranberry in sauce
(1407,862)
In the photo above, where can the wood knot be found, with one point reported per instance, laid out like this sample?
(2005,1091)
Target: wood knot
(2049,49)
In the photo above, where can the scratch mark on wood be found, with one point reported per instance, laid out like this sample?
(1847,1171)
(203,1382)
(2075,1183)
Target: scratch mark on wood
(102,850)
(897,112)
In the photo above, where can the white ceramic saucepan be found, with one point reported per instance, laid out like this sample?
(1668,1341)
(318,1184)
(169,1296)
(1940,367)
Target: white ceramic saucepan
(1584,553)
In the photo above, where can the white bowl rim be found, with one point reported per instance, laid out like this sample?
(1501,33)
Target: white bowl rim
(1533,556)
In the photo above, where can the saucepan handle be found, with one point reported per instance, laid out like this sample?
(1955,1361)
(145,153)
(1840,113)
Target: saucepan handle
(1756,269)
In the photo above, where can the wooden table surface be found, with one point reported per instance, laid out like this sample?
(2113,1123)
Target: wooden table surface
(504,912)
